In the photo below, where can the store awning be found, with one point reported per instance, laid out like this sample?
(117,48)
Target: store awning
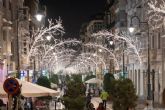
(31,90)
(94,81)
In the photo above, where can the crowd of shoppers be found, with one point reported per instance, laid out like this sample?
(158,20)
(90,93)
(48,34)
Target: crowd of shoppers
(102,105)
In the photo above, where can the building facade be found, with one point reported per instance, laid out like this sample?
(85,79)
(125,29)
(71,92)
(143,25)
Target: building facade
(138,72)
(5,37)
(18,23)
(95,25)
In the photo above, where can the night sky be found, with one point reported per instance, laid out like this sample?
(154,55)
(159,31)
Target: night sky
(73,12)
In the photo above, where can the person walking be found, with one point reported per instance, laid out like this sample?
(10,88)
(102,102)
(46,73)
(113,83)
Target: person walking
(104,96)
(88,100)
(90,106)
(2,105)
(101,106)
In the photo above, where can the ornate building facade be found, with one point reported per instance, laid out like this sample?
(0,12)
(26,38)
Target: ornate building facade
(138,72)
(18,23)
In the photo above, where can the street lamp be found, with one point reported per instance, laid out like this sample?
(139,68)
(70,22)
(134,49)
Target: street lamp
(111,42)
(48,37)
(112,47)
(39,17)
(100,50)
(124,70)
(131,29)
(94,54)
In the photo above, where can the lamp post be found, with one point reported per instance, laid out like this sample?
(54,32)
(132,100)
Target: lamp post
(18,61)
(39,18)
(123,59)
(131,29)
(112,47)
(124,69)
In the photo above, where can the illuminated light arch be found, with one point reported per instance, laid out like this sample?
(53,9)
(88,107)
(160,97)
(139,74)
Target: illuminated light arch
(104,48)
(88,55)
(52,29)
(124,36)
(74,42)
(55,54)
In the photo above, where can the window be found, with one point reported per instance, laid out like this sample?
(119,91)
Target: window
(9,5)
(152,42)
(4,35)
(4,3)
(25,51)
(24,43)
(159,41)
(12,50)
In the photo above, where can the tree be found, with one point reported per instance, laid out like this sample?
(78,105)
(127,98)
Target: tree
(43,81)
(108,78)
(74,99)
(67,78)
(54,79)
(123,94)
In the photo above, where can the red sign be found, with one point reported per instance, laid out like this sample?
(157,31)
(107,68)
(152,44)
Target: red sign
(11,86)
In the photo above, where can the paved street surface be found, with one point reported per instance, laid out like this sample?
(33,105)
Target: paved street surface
(97,100)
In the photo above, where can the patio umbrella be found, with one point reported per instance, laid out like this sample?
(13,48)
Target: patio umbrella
(94,81)
(31,90)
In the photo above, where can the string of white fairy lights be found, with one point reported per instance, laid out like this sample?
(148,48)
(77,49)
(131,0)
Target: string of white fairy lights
(56,54)
(156,12)
(132,43)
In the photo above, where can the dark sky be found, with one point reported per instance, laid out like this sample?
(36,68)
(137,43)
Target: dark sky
(73,12)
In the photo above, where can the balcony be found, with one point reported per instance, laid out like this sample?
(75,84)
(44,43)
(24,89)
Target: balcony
(113,2)
(121,19)
(111,25)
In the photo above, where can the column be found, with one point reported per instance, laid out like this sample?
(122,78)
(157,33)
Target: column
(141,83)
(137,82)
(139,87)
(135,79)
(163,75)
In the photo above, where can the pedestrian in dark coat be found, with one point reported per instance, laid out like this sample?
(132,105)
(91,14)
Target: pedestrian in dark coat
(91,107)
(101,106)
(88,99)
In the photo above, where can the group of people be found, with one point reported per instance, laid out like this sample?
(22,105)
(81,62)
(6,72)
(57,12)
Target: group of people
(94,91)
(2,105)
(102,105)
(21,104)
